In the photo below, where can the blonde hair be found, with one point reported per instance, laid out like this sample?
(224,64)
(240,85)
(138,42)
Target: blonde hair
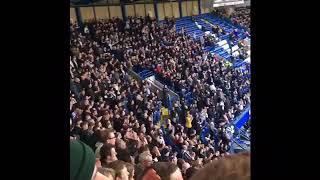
(107,172)
(130,169)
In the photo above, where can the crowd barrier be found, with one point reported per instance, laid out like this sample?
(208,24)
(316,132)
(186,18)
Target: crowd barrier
(238,123)
(243,118)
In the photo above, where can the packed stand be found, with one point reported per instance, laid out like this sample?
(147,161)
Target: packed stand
(240,16)
(114,114)
(83,167)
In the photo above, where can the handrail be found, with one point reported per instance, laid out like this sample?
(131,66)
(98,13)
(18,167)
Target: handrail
(232,123)
(242,133)
(246,110)
(169,141)
(234,141)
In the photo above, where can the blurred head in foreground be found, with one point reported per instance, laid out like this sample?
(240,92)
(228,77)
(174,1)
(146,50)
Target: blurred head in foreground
(232,167)
(82,163)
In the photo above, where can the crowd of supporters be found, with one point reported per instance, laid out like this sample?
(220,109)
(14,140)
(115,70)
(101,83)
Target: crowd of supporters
(240,16)
(114,114)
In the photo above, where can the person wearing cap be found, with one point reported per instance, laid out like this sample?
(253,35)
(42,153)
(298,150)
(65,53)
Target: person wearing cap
(82,162)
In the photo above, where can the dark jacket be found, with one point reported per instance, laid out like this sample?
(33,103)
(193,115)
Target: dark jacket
(85,136)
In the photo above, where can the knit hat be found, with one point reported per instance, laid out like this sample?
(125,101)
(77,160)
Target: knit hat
(82,161)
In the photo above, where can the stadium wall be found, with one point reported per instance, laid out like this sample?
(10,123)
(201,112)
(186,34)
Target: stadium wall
(154,9)
(73,15)
(157,8)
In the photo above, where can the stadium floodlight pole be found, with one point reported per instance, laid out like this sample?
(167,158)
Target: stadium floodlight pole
(155,5)
(79,16)
(123,10)
(180,8)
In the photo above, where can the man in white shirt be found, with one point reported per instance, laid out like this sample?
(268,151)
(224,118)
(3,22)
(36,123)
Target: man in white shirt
(202,40)
(86,30)
(213,87)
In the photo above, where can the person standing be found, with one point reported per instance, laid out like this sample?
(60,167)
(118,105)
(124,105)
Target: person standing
(189,119)
(202,40)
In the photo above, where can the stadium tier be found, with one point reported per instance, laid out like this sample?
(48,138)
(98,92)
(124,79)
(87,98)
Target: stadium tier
(156,92)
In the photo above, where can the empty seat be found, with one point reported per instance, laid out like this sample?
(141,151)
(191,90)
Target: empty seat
(228,57)
(234,48)
(218,48)
(248,60)
(218,51)
(221,43)
(223,53)
(235,54)
(226,46)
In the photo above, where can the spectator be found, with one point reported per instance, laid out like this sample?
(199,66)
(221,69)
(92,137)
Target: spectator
(84,132)
(189,119)
(168,171)
(124,155)
(185,167)
(108,154)
(150,174)
(105,97)
(225,169)
(82,162)
(202,40)
(180,162)
(105,136)
(130,168)
(120,168)
(108,136)
(109,173)
(145,161)
(190,172)
(173,159)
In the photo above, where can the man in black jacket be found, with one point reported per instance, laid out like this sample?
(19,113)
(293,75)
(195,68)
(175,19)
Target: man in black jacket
(84,132)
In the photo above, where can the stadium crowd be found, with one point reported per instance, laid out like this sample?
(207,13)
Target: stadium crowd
(240,16)
(114,114)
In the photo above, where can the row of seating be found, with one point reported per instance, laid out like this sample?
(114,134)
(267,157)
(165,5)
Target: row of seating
(227,27)
(142,72)
(192,28)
